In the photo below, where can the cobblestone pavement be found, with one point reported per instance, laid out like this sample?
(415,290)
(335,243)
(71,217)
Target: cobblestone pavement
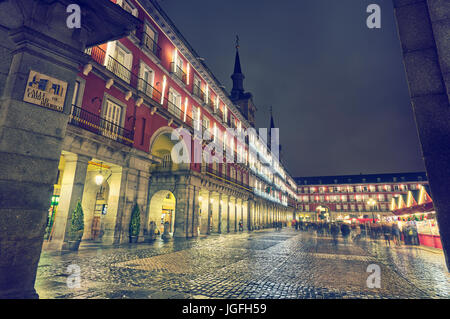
(263,264)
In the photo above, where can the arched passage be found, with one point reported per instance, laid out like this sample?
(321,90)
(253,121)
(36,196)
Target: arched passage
(162,209)
(161,145)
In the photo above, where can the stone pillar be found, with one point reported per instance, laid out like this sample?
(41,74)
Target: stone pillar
(116,203)
(244,216)
(195,212)
(31,135)
(37,37)
(72,186)
(257,215)
(219,224)
(424,31)
(249,215)
(181,197)
(209,213)
(236,209)
(228,214)
(189,212)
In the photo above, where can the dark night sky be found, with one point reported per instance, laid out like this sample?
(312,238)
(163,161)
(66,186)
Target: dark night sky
(338,89)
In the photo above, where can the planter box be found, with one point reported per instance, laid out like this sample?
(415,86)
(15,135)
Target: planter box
(133,239)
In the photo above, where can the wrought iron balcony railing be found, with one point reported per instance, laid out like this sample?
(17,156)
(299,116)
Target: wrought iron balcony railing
(219,113)
(98,125)
(99,55)
(225,177)
(210,104)
(197,91)
(178,72)
(151,45)
(118,69)
(148,89)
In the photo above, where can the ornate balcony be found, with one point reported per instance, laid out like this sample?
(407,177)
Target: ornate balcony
(98,125)
(178,72)
(151,45)
(197,91)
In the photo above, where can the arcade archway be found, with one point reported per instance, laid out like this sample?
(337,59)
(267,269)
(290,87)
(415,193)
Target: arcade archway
(162,210)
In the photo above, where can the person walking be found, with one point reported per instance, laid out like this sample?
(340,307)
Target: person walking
(387,234)
(345,230)
(334,233)
(357,234)
(396,235)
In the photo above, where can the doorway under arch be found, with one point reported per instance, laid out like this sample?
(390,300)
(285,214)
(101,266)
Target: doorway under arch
(162,209)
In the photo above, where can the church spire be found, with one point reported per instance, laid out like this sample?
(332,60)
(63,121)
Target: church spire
(237,76)
(272,123)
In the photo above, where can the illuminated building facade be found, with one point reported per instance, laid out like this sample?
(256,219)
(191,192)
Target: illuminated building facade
(354,196)
(130,97)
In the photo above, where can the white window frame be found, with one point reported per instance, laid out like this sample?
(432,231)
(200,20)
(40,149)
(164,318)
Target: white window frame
(142,85)
(175,106)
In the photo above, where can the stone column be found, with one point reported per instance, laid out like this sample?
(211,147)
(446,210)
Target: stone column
(228,214)
(424,31)
(72,186)
(189,211)
(219,224)
(257,214)
(236,209)
(249,215)
(180,210)
(37,37)
(195,212)
(31,135)
(112,221)
(209,213)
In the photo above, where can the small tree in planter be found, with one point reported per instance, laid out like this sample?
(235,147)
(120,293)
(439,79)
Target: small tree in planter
(76,227)
(135,224)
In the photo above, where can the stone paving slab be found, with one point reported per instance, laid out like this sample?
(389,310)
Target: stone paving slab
(265,264)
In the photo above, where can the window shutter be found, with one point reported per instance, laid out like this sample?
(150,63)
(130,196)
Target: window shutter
(110,49)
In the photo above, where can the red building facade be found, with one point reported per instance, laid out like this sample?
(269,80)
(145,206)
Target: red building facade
(129,98)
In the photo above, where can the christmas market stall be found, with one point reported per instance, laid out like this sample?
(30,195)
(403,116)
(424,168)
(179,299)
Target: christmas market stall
(416,218)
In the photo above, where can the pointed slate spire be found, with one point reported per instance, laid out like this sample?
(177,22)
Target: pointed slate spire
(237,76)
(272,123)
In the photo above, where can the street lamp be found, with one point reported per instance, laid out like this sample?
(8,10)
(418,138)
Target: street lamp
(99,176)
(371,202)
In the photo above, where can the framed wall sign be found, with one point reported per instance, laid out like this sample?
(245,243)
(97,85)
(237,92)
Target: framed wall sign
(45,91)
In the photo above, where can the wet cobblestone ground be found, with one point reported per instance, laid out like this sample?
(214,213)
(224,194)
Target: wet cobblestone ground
(263,264)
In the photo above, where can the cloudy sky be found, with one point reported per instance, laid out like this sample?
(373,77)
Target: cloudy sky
(337,88)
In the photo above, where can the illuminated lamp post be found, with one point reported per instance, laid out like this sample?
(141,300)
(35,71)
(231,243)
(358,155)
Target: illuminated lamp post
(372,203)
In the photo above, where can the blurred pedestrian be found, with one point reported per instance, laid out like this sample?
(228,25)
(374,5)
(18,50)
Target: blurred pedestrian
(396,234)
(387,234)
(345,230)
(334,229)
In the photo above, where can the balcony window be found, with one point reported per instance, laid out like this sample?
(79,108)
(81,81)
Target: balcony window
(147,77)
(150,40)
(205,122)
(176,68)
(113,117)
(196,115)
(119,60)
(174,102)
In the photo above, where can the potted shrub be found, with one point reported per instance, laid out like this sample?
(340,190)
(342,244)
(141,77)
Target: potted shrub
(135,224)
(76,227)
